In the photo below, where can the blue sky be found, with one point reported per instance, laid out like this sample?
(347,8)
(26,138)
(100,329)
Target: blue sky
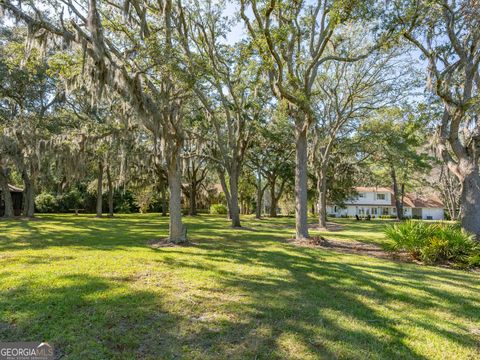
(238,31)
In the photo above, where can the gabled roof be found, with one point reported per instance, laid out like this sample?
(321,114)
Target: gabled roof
(373,189)
(415,201)
(424,202)
(409,200)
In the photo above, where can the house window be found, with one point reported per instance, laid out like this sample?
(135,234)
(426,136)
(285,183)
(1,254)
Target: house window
(361,195)
(380,196)
(335,209)
(384,211)
(374,211)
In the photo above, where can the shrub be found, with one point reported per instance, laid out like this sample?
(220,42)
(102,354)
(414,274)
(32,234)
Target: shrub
(46,203)
(70,201)
(435,243)
(474,260)
(218,209)
(410,236)
(450,243)
(124,202)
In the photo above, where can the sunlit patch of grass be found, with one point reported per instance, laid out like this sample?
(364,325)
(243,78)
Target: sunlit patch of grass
(96,290)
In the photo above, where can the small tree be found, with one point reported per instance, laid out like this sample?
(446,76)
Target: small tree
(394,144)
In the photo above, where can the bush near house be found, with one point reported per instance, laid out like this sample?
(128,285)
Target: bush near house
(46,203)
(388,217)
(435,243)
(218,209)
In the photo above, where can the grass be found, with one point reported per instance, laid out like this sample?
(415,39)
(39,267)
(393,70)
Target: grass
(94,289)
(364,231)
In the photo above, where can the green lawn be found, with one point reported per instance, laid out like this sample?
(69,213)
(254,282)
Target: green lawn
(94,289)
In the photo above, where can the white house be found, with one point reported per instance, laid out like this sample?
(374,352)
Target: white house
(378,201)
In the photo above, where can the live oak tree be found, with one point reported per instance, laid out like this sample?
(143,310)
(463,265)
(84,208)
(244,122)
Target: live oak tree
(292,38)
(341,176)
(346,94)
(128,50)
(5,164)
(395,148)
(28,97)
(195,170)
(102,133)
(271,158)
(447,33)
(230,89)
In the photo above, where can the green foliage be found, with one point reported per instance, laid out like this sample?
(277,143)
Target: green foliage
(218,209)
(399,135)
(70,201)
(409,236)
(46,203)
(124,202)
(450,243)
(435,243)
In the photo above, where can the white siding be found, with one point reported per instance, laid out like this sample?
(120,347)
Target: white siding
(435,213)
(371,198)
(407,211)
(368,200)
(336,210)
(351,211)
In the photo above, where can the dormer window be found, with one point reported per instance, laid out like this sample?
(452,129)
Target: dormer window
(380,196)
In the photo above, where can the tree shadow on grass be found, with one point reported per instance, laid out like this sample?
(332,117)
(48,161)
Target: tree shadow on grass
(88,232)
(266,299)
(321,295)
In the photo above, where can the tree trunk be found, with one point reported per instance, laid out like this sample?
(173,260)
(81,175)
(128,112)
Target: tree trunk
(258,208)
(110,192)
(177,231)
(223,182)
(61,185)
(164,200)
(99,189)
(7,196)
(273,199)
(470,202)
(301,183)
(396,195)
(234,210)
(322,198)
(193,199)
(28,195)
